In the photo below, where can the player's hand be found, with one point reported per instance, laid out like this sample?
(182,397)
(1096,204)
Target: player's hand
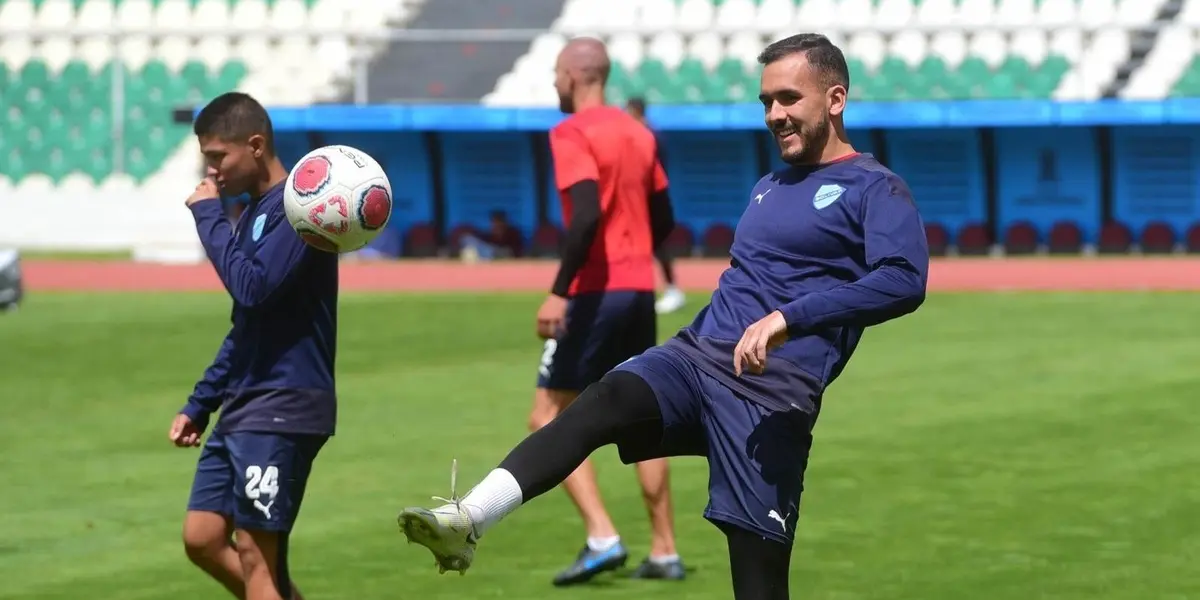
(767,333)
(551,317)
(184,433)
(206,190)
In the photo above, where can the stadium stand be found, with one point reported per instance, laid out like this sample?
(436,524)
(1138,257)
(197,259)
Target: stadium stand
(59,82)
(98,142)
(702,51)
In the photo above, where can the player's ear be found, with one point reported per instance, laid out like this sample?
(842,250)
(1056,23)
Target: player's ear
(258,145)
(835,99)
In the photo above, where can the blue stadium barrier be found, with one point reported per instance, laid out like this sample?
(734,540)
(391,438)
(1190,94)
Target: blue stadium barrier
(978,162)
(1044,176)
(1156,176)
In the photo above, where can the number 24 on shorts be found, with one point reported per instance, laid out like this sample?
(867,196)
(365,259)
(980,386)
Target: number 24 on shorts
(262,484)
(547,361)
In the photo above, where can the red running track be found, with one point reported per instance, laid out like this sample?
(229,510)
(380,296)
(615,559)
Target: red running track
(696,275)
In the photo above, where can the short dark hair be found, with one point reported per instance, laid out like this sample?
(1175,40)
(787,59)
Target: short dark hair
(825,58)
(637,103)
(235,116)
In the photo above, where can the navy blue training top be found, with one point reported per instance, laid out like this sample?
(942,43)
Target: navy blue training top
(274,371)
(836,248)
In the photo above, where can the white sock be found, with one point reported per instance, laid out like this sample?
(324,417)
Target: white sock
(600,544)
(493,499)
(665,559)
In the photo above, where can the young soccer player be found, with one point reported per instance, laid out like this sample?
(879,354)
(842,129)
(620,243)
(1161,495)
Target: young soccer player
(600,310)
(272,378)
(827,247)
(672,298)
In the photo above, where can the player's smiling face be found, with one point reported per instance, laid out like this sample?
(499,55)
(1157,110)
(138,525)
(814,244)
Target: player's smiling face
(234,165)
(797,107)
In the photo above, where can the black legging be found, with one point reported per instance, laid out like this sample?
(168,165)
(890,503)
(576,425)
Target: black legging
(622,406)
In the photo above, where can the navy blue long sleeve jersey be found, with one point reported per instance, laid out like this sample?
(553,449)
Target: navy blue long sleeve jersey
(836,248)
(274,371)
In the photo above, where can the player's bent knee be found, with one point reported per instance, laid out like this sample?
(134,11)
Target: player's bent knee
(205,536)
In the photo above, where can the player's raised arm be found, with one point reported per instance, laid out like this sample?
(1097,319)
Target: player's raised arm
(576,173)
(251,280)
(897,255)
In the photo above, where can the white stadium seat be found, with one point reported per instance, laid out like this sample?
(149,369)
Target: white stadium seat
(696,15)
(667,47)
(210,13)
(616,16)
(1057,13)
(910,46)
(774,14)
(172,14)
(976,14)
(173,51)
(326,14)
(250,14)
(658,14)
(16,51)
(816,15)
(1015,13)
(1097,13)
(708,48)
(895,14)
(869,47)
(1030,44)
(626,49)
(735,15)
(950,46)
(990,46)
(17,14)
(135,14)
(55,14)
(744,46)
(937,13)
(289,15)
(856,14)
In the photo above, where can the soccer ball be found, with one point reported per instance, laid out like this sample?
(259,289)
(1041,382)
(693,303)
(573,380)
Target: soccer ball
(338,199)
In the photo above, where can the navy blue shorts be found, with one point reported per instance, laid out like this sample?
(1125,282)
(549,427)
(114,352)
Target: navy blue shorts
(756,456)
(602,330)
(258,479)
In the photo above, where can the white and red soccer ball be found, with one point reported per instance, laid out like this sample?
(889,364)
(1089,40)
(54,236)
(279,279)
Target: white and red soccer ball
(338,199)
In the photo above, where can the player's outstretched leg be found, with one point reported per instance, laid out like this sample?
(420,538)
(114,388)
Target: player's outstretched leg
(619,404)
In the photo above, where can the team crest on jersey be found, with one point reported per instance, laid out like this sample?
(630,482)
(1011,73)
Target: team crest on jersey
(260,222)
(827,194)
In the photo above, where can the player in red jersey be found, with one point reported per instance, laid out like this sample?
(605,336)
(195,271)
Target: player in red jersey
(600,311)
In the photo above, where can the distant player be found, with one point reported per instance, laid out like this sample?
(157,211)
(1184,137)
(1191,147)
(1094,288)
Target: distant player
(273,375)
(600,311)
(673,298)
(826,247)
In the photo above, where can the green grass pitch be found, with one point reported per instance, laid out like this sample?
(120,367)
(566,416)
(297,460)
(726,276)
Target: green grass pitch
(1006,446)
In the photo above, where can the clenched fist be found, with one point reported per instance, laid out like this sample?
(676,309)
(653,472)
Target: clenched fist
(206,190)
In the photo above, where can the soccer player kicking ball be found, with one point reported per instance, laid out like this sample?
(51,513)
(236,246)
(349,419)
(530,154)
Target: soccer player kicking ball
(273,375)
(826,247)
